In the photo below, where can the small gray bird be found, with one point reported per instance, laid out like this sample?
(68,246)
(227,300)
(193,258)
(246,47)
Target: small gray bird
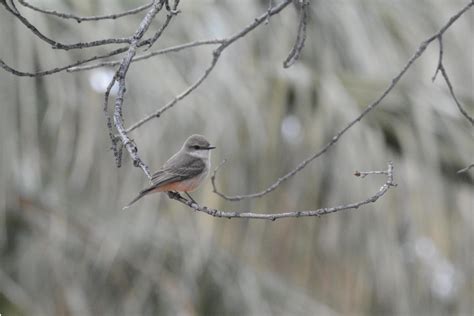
(184,171)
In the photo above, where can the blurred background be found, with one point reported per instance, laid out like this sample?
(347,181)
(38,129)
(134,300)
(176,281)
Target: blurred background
(67,248)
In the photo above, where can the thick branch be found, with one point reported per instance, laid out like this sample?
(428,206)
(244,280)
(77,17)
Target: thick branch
(114,140)
(120,79)
(274,216)
(421,49)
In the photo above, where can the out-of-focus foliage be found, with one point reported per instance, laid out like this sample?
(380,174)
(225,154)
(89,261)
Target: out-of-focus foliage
(66,247)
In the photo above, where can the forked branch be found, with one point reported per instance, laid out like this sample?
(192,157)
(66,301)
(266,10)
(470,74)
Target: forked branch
(80,19)
(389,183)
(421,49)
(129,53)
(442,69)
(215,57)
(119,78)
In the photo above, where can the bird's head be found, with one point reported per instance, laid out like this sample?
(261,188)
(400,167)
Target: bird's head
(197,143)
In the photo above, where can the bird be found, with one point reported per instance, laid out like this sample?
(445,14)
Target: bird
(184,171)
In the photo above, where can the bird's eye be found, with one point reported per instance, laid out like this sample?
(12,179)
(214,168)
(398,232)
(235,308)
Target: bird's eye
(196,147)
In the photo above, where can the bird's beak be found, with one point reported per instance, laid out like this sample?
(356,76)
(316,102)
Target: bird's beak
(210,147)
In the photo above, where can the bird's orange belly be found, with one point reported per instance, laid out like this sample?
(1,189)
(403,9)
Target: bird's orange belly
(180,186)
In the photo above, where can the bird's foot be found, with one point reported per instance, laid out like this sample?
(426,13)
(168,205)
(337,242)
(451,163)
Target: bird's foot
(174,195)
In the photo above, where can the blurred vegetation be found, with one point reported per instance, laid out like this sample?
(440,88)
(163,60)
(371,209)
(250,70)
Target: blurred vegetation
(67,248)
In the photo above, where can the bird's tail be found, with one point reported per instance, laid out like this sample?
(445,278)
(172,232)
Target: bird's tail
(142,194)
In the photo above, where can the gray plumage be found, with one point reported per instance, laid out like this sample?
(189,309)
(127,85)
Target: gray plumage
(191,161)
(171,171)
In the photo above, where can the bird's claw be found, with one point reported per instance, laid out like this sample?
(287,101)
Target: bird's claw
(174,195)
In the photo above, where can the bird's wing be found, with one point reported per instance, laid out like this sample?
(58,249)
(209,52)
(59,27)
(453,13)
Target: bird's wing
(178,170)
(172,171)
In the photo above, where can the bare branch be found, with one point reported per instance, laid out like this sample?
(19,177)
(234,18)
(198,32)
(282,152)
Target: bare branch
(274,216)
(117,151)
(295,52)
(364,174)
(440,58)
(179,97)
(442,69)
(171,49)
(213,177)
(466,169)
(59,69)
(421,49)
(76,65)
(80,19)
(122,139)
(57,45)
(270,5)
(120,79)
(171,13)
(216,54)
(109,54)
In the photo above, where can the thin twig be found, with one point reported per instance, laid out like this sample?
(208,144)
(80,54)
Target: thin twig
(80,19)
(466,169)
(177,98)
(214,173)
(76,65)
(62,68)
(297,48)
(440,58)
(442,69)
(270,5)
(364,174)
(216,54)
(171,13)
(274,216)
(58,45)
(421,49)
(171,49)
